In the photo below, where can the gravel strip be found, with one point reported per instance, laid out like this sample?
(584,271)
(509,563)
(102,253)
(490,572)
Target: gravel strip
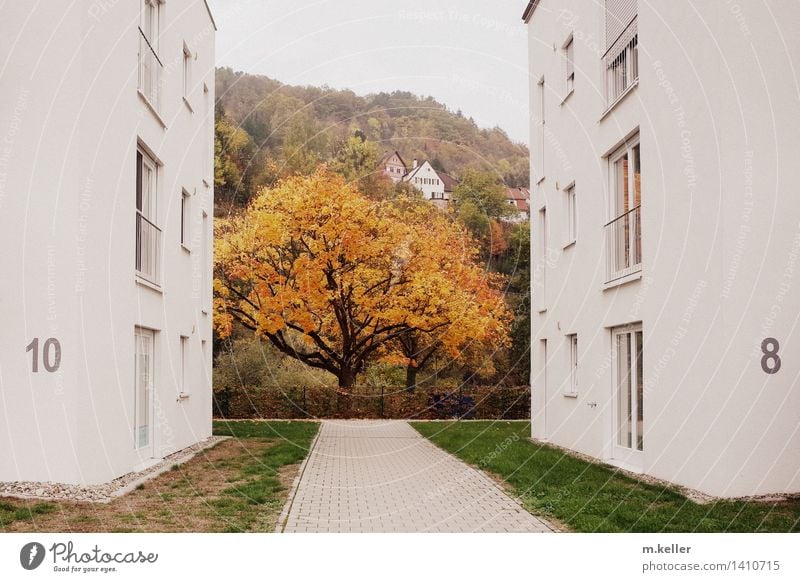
(104,492)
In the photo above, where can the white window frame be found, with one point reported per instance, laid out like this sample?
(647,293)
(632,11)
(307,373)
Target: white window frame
(151,69)
(540,273)
(144,401)
(205,291)
(147,243)
(633,234)
(568,59)
(621,59)
(627,383)
(188,57)
(186,218)
(572,346)
(184,363)
(540,129)
(571,214)
(151,22)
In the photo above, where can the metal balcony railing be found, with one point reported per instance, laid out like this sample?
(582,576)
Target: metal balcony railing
(622,63)
(150,72)
(624,245)
(148,250)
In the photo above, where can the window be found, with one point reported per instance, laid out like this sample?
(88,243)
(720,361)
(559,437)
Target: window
(184,364)
(185,217)
(540,121)
(627,357)
(208,139)
(205,266)
(150,24)
(540,273)
(624,231)
(572,214)
(622,48)
(187,71)
(150,66)
(144,367)
(573,364)
(569,66)
(148,235)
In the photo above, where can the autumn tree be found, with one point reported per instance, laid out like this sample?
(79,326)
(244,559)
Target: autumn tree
(470,313)
(328,276)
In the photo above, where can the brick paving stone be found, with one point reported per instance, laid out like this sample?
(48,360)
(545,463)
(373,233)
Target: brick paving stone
(383,476)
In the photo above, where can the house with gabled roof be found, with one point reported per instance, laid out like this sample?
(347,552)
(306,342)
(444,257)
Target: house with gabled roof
(393,166)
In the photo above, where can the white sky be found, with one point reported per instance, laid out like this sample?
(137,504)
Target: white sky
(468,54)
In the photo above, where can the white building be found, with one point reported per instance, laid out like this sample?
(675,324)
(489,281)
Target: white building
(666,249)
(435,186)
(106,199)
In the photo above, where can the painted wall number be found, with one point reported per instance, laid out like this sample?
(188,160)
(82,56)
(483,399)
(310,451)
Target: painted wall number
(771,361)
(51,354)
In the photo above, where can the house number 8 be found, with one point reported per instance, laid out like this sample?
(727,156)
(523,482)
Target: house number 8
(51,354)
(771,361)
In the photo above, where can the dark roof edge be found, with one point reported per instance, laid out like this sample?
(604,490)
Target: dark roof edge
(211,16)
(526,16)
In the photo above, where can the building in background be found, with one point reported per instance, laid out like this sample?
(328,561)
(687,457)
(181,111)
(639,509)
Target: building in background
(519,198)
(106,239)
(435,186)
(393,166)
(666,238)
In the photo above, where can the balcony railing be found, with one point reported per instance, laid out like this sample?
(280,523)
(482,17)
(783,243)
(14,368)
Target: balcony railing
(622,63)
(624,245)
(148,250)
(150,72)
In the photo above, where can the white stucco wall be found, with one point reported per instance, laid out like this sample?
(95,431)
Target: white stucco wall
(71,119)
(431,190)
(718,111)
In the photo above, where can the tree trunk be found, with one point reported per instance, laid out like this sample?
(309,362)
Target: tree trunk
(347,378)
(411,377)
(344,401)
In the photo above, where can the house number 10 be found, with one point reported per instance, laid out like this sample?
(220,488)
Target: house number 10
(51,354)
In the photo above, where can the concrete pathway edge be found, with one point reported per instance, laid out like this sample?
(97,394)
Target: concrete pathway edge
(280,525)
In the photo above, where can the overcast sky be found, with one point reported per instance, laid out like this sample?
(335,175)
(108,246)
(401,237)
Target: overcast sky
(469,54)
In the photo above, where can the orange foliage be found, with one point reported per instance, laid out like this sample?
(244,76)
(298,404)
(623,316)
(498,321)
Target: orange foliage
(331,278)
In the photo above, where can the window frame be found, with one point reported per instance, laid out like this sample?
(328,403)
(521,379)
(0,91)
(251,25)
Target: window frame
(629,213)
(571,214)
(186,219)
(541,121)
(572,346)
(147,212)
(568,61)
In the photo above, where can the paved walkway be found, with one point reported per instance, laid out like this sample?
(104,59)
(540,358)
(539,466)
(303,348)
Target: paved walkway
(382,476)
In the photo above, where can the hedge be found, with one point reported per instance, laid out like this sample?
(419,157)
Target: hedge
(478,402)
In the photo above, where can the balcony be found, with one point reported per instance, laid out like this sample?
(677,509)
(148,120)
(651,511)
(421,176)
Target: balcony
(148,250)
(622,64)
(624,245)
(150,72)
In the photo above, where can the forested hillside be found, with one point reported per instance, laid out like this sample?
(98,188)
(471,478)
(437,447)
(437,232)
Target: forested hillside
(266,130)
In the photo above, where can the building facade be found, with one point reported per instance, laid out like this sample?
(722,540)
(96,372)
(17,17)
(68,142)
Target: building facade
(393,166)
(106,198)
(666,238)
(519,199)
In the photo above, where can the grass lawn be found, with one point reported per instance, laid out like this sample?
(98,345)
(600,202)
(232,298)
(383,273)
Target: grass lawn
(240,484)
(592,497)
